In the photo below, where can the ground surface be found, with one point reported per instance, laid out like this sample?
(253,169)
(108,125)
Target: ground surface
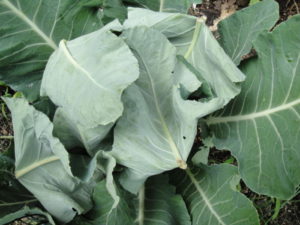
(214,10)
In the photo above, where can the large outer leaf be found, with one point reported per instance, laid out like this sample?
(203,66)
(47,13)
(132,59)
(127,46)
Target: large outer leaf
(30,32)
(42,163)
(157,129)
(241,29)
(261,127)
(86,78)
(211,196)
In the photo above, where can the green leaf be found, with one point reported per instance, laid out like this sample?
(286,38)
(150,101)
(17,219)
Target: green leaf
(47,219)
(202,155)
(156,203)
(111,204)
(13,195)
(113,9)
(31,31)
(238,31)
(211,196)
(180,6)
(169,131)
(42,163)
(159,204)
(90,73)
(261,126)
(195,42)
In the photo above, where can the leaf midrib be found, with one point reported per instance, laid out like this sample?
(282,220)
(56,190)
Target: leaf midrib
(251,116)
(67,53)
(181,163)
(204,197)
(27,169)
(34,27)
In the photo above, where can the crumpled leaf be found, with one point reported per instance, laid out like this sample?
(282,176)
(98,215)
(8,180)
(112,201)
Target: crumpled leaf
(163,141)
(26,40)
(211,196)
(157,203)
(26,211)
(85,77)
(42,163)
(261,126)
(239,30)
(195,42)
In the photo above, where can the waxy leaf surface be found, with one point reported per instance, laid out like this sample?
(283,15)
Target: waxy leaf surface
(85,77)
(31,31)
(42,163)
(157,129)
(211,196)
(240,30)
(261,127)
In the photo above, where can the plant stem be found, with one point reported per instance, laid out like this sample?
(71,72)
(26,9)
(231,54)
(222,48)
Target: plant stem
(277,209)
(7,137)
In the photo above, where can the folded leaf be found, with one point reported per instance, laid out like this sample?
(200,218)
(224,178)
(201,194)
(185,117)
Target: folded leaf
(30,32)
(156,203)
(42,163)
(238,31)
(159,204)
(195,42)
(211,196)
(13,196)
(163,140)
(261,126)
(85,78)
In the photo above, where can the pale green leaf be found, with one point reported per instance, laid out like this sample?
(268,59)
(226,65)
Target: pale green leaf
(42,163)
(31,31)
(85,78)
(211,196)
(157,129)
(195,42)
(238,31)
(261,127)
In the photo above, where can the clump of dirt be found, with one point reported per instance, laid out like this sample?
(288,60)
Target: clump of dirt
(288,8)
(289,213)
(6,130)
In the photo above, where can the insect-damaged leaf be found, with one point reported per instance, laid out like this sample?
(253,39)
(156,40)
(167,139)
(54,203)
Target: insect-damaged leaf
(212,198)
(42,163)
(30,32)
(157,129)
(261,127)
